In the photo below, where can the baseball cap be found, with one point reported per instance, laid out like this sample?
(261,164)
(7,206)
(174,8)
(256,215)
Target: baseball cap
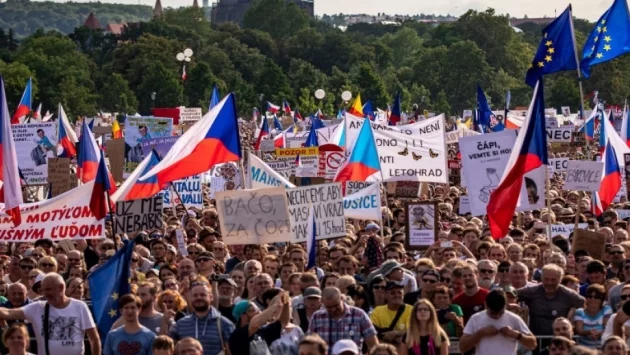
(372,226)
(344,345)
(228,280)
(240,309)
(390,285)
(313,292)
(171,248)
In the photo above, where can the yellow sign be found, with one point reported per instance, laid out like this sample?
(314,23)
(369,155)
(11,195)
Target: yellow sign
(293,152)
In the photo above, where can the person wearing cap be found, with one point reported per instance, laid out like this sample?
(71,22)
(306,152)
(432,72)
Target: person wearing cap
(391,319)
(252,323)
(392,270)
(205,264)
(226,288)
(339,321)
(312,303)
(345,347)
(171,254)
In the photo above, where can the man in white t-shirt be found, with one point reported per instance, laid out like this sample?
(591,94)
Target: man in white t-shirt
(608,331)
(69,320)
(496,330)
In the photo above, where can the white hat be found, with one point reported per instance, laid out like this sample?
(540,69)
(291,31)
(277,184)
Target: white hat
(344,345)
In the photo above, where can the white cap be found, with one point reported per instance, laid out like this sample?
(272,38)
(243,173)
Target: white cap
(344,345)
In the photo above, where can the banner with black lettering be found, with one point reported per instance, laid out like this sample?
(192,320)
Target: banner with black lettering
(189,189)
(364,204)
(327,200)
(415,152)
(138,215)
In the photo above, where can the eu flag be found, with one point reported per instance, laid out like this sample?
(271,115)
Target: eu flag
(609,39)
(483,110)
(556,51)
(107,284)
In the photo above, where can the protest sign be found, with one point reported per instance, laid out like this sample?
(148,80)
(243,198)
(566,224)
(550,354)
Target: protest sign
(464,205)
(138,215)
(583,175)
(254,216)
(351,187)
(407,189)
(116,155)
(67,216)
(558,165)
(294,152)
(364,204)
(484,159)
(622,194)
(415,152)
(623,214)
(626,159)
(181,242)
(34,144)
(261,175)
(331,157)
(267,145)
(229,174)
(453,137)
(189,115)
(592,242)
(295,140)
(560,135)
(161,145)
(565,230)
(137,130)
(189,189)
(102,131)
(422,225)
(467,115)
(327,201)
(59,176)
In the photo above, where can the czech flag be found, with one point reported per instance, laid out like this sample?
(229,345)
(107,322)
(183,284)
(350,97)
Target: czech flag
(297,116)
(356,108)
(596,205)
(10,188)
(363,163)
(215,98)
(611,180)
(395,116)
(24,108)
(368,110)
(67,137)
(102,184)
(529,153)
(339,137)
(134,188)
(276,123)
(212,140)
(285,107)
(625,128)
(116,131)
(264,131)
(272,108)
(88,157)
(311,240)
(589,126)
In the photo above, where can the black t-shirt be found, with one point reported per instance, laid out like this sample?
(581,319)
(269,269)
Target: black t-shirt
(227,312)
(239,340)
(412,297)
(424,346)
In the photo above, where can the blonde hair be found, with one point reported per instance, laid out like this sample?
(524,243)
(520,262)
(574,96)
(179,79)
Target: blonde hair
(433,327)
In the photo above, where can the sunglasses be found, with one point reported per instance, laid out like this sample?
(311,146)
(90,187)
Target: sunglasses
(446,280)
(27,267)
(431,281)
(200,260)
(486,271)
(624,297)
(504,269)
(194,252)
(615,252)
(46,265)
(378,287)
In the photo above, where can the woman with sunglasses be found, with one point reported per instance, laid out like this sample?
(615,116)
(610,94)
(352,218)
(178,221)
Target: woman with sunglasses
(424,334)
(590,320)
(450,316)
(376,291)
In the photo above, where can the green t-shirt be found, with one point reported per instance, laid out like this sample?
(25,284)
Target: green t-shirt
(448,325)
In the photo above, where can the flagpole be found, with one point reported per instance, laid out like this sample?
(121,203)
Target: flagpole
(579,75)
(548,199)
(181,202)
(111,216)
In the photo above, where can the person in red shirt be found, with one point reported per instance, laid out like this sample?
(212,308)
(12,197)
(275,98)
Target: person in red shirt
(472,299)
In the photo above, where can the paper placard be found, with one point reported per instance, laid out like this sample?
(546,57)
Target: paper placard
(560,135)
(181,242)
(59,176)
(34,144)
(583,175)
(464,205)
(422,225)
(254,216)
(558,165)
(327,200)
(565,230)
(137,215)
(364,204)
(592,242)
(189,114)
(189,189)
(116,155)
(354,186)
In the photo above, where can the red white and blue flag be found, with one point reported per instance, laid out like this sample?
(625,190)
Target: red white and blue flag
(272,108)
(285,107)
(264,132)
(611,178)
(212,140)
(88,156)
(363,163)
(24,108)
(67,137)
(625,127)
(102,185)
(10,189)
(529,153)
(134,188)
(396,114)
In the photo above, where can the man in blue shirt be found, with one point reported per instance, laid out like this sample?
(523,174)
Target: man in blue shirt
(132,338)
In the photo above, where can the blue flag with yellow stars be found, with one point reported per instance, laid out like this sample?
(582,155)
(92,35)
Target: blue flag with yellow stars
(556,51)
(107,284)
(609,39)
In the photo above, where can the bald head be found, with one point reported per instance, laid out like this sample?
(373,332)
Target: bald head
(331,293)
(54,289)
(53,279)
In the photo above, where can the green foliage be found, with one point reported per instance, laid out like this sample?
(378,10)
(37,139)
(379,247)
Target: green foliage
(166,85)
(279,18)
(116,96)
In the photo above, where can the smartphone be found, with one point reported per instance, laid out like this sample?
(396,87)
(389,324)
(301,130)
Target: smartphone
(448,244)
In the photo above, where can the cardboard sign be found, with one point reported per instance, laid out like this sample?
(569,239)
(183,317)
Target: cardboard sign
(59,176)
(408,189)
(100,131)
(34,144)
(138,215)
(189,114)
(116,155)
(583,175)
(189,189)
(422,225)
(254,216)
(565,230)
(327,200)
(592,242)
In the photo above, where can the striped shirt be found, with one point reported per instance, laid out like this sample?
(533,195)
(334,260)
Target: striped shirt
(354,324)
(205,330)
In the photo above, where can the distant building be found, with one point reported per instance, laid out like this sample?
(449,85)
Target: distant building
(539,21)
(234,10)
(92,23)
(157,9)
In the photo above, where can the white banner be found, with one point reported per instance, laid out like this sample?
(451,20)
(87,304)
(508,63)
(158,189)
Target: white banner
(558,165)
(261,175)
(364,204)
(34,144)
(453,137)
(583,175)
(254,216)
(189,189)
(560,135)
(355,186)
(565,230)
(327,201)
(415,152)
(67,216)
(138,215)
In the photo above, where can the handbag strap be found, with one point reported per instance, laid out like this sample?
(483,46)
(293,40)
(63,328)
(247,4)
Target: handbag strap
(46,328)
(399,313)
(220,333)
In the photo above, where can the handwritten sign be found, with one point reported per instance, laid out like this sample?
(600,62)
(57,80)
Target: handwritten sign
(59,176)
(116,155)
(583,175)
(592,242)
(254,216)
(189,114)
(189,189)
(138,215)
(565,230)
(327,201)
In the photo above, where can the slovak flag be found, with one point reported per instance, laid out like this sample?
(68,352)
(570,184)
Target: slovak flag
(212,140)
(102,184)
(264,132)
(10,189)
(88,157)
(285,107)
(396,114)
(529,153)
(134,188)
(363,163)
(625,127)
(24,108)
(311,240)
(272,108)
(67,137)
(611,179)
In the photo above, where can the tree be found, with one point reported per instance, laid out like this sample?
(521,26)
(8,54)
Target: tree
(564,92)
(166,85)
(279,18)
(370,84)
(15,76)
(303,75)
(441,104)
(116,96)
(198,87)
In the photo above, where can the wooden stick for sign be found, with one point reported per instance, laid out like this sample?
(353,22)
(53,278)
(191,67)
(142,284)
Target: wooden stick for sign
(111,216)
(548,198)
